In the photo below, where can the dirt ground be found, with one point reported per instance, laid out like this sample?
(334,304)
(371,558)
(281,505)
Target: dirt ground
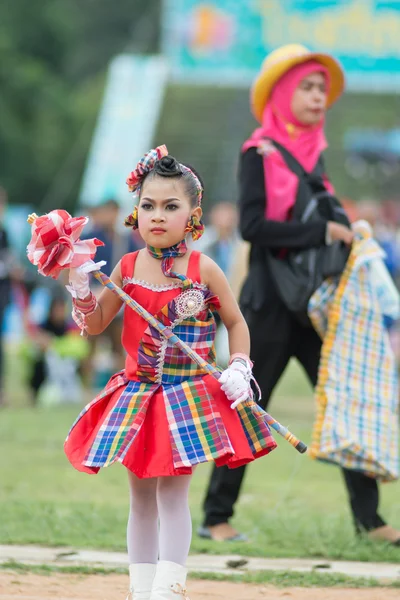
(114,587)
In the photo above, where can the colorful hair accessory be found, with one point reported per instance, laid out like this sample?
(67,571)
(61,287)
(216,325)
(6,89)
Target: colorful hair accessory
(199,187)
(196,227)
(132,219)
(144,166)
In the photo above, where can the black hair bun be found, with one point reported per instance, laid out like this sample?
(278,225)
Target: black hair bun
(168,166)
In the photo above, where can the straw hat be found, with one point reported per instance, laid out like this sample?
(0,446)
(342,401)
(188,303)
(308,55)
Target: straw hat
(279,62)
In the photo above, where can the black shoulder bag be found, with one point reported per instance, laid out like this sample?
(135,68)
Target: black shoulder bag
(300,272)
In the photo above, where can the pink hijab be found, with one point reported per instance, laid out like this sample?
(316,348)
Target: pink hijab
(305,143)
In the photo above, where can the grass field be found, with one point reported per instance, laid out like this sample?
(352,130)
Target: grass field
(290,505)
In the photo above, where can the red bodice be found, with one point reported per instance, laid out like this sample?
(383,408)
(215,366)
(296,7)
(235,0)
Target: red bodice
(152,297)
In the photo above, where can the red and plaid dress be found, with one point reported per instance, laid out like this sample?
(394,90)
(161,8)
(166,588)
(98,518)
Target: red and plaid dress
(161,415)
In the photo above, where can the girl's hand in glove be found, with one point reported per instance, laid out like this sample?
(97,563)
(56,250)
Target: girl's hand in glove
(235,382)
(79,279)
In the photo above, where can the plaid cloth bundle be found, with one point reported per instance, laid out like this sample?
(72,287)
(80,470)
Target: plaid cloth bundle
(357,391)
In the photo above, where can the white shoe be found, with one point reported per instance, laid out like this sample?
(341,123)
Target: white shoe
(141,577)
(169,582)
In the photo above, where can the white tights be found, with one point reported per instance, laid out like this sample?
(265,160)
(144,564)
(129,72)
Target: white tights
(159,525)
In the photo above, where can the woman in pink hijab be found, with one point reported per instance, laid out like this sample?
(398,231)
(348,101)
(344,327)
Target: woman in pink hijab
(281,166)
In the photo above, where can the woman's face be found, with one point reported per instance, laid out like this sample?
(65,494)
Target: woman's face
(309,99)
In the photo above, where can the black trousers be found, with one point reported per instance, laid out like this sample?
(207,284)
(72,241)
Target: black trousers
(276,337)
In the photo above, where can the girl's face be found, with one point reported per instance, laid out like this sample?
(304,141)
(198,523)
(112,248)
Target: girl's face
(164,212)
(309,99)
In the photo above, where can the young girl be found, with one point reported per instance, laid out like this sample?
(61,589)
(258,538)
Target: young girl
(162,415)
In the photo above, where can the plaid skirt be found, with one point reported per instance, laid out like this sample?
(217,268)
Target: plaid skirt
(161,430)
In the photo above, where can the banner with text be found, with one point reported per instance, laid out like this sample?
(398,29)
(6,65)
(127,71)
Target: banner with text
(225,41)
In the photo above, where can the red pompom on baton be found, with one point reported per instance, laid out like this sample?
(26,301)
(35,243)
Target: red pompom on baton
(55,245)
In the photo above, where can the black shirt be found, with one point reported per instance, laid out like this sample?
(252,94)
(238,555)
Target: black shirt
(259,291)
(254,227)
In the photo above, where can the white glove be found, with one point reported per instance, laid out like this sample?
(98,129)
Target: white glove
(235,382)
(79,279)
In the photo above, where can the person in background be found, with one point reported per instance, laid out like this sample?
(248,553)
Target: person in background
(387,235)
(383,218)
(105,221)
(221,245)
(223,238)
(9,270)
(104,225)
(55,325)
(290,97)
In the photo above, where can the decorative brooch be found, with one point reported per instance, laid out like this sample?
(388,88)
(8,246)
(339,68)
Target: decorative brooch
(189,303)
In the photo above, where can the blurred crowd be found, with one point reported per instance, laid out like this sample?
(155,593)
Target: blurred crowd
(55,362)
(384,217)
(58,364)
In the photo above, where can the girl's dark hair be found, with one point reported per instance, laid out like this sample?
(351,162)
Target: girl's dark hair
(168,166)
